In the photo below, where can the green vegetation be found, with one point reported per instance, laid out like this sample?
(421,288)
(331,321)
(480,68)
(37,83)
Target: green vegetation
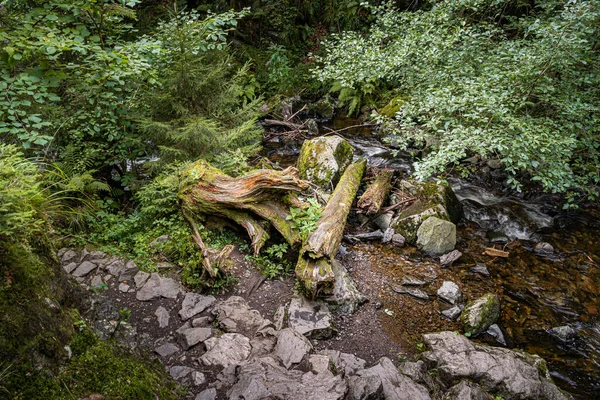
(273,263)
(305,219)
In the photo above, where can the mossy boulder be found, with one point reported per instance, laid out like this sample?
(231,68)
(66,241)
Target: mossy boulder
(323,108)
(323,160)
(479,314)
(433,199)
(436,237)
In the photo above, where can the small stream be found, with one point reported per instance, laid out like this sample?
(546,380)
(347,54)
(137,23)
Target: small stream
(537,292)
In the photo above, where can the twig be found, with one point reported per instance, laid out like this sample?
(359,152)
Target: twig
(296,113)
(390,208)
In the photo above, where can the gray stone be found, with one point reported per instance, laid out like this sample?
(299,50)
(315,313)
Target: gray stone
(159,240)
(96,281)
(95,255)
(235,315)
(450,292)
(436,236)
(448,259)
(345,294)
(123,288)
(310,318)
(408,280)
(312,127)
(543,248)
(157,286)
(323,160)
(515,374)
(178,372)
(346,362)
(128,272)
(192,336)
(365,388)
(495,331)
(398,240)
(263,378)
(70,267)
(69,255)
(466,390)
(169,288)
(291,347)
(564,333)
(116,267)
(478,315)
(229,349)
(163,317)
(452,313)
(140,278)
(279,318)
(480,268)
(396,386)
(387,235)
(411,291)
(417,371)
(198,378)
(202,321)
(384,221)
(84,268)
(193,304)
(166,349)
(262,346)
(319,363)
(208,394)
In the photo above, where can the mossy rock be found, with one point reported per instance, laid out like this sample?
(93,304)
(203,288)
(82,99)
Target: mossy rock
(434,199)
(436,237)
(479,314)
(323,160)
(323,108)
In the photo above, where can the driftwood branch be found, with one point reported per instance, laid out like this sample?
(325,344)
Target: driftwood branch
(376,194)
(314,270)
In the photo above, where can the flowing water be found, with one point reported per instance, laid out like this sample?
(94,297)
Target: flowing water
(538,292)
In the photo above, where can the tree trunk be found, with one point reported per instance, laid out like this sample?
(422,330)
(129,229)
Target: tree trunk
(314,263)
(373,198)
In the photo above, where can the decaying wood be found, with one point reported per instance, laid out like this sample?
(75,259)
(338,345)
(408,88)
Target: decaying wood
(264,195)
(314,263)
(490,251)
(373,198)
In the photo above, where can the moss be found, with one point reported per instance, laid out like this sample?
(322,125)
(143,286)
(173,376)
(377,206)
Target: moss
(391,109)
(316,166)
(480,314)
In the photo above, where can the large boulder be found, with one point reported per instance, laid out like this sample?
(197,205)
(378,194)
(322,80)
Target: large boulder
(436,237)
(323,160)
(506,373)
(479,314)
(345,295)
(433,199)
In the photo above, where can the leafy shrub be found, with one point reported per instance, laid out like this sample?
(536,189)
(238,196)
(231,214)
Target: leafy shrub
(272,264)
(305,219)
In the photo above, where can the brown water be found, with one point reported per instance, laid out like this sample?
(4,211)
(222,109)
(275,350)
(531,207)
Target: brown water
(537,292)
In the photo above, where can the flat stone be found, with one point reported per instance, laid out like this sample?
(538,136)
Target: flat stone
(365,388)
(450,292)
(194,304)
(453,312)
(156,287)
(448,259)
(198,378)
(84,268)
(495,332)
(69,255)
(480,268)
(96,281)
(346,362)
(95,255)
(235,316)
(202,321)
(310,318)
(291,347)
(166,349)
(128,272)
(70,267)
(124,288)
(178,372)
(411,291)
(466,390)
(384,220)
(140,278)
(387,235)
(163,316)
(408,280)
(229,349)
(192,336)
(170,288)
(208,394)
(398,240)
(116,267)
(319,363)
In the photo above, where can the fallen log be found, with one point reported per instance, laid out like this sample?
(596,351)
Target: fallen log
(377,192)
(262,195)
(314,270)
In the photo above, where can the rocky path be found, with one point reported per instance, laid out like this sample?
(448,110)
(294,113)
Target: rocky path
(222,348)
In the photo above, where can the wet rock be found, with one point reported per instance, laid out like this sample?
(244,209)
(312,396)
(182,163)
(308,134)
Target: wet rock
(70,267)
(398,240)
(235,315)
(543,248)
(208,394)
(452,313)
(229,349)
(128,271)
(478,315)
(84,268)
(448,259)
(450,292)
(564,333)
(436,236)
(310,318)
(466,390)
(263,378)
(163,317)
(480,268)
(323,160)
(179,372)
(140,278)
(291,347)
(157,286)
(411,291)
(123,288)
(432,200)
(192,336)
(515,374)
(495,332)
(166,349)
(395,385)
(365,388)
(348,363)
(193,304)
(345,294)
(497,238)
